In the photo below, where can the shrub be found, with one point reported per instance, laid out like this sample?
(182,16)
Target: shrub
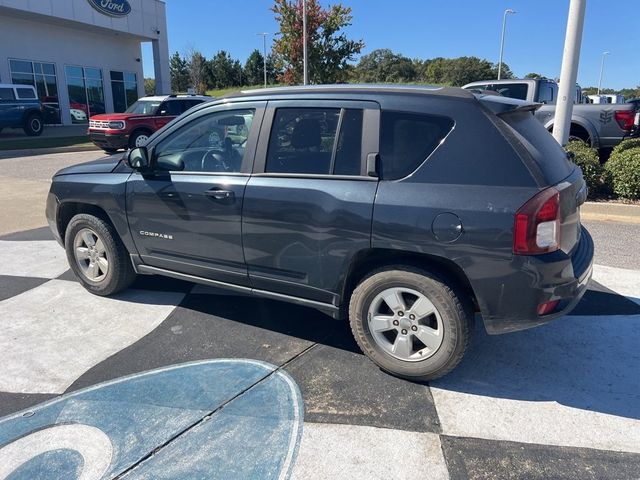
(624,169)
(626,145)
(587,159)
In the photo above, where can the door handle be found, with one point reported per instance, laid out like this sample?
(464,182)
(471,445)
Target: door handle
(219,194)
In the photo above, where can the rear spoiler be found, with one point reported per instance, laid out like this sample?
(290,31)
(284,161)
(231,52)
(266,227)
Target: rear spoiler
(505,106)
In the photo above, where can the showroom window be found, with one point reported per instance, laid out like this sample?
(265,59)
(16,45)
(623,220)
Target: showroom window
(86,93)
(124,87)
(42,76)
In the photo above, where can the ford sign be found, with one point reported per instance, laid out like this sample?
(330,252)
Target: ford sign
(113,8)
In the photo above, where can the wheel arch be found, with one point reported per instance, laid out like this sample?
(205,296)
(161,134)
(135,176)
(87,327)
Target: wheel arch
(67,210)
(580,129)
(369,260)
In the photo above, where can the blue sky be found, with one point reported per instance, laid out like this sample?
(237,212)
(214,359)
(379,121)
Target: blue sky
(432,28)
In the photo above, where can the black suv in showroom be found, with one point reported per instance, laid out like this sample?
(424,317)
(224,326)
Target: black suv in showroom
(406,210)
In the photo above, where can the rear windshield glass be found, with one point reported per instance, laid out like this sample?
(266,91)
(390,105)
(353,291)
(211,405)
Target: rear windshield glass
(407,139)
(547,153)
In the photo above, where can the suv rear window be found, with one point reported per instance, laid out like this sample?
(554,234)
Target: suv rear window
(547,153)
(407,139)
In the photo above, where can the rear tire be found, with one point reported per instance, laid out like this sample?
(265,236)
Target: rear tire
(423,335)
(110,151)
(97,255)
(33,125)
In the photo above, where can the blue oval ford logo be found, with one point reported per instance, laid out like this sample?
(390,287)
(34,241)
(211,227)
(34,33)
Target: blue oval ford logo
(113,8)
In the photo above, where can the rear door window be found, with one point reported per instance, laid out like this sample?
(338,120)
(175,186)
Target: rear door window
(316,141)
(407,139)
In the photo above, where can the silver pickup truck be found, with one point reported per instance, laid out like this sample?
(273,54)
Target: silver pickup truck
(602,125)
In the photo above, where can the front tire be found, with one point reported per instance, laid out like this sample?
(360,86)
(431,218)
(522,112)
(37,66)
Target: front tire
(410,323)
(139,139)
(33,125)
(97,255)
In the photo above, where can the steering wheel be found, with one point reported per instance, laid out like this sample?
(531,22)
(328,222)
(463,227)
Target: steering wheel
(218,156)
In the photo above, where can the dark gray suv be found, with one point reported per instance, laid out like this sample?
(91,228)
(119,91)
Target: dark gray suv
(404,209)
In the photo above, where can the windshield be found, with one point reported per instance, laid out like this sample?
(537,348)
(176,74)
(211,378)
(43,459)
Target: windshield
(144,107)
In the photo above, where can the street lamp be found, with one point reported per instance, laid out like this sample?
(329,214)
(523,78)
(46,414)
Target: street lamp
(604,54)
(504,26)
(305,64)
(264,55)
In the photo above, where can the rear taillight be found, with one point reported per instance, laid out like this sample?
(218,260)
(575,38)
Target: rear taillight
(537,224)
(625,119)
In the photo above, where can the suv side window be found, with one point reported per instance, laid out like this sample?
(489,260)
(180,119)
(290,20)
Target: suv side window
(211,143)
(407,139)
(25,93)
(7,94)
(545,92)
(171,108)
(307,141)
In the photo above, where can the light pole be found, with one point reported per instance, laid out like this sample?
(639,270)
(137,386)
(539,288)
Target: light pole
(305,69)
(604,54)
(264,55)
(504,27)
(569,71)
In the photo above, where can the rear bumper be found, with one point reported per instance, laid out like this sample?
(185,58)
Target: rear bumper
(544,278)
(105,139)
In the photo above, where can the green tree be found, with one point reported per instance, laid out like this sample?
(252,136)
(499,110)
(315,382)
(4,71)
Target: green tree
(179,70)
(534,75)
(384,66)
(223,71)
(329,50)
(254,69)
(149,86)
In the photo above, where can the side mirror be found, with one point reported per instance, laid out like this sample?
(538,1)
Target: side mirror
(138,158)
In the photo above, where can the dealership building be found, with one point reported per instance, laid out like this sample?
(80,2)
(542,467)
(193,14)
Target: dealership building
(83,56)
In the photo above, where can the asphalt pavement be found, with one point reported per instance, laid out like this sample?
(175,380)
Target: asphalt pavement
(172,380)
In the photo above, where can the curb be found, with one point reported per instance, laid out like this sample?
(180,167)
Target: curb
(30,152)
(610,212)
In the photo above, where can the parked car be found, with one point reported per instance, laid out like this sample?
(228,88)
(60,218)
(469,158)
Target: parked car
(599,125)
(362,202)
(115,131)
(78,116)
(20,108)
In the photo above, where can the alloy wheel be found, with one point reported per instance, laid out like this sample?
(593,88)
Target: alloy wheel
(91,255)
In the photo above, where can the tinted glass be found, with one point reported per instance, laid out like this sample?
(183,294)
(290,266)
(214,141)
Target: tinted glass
(407,139)
(73,72)
(171,108)
(349,150)
(548,154)
(511,90)
(25,93)
(302,140)
(118,76)
(545,93)
(211,143)
(6,94)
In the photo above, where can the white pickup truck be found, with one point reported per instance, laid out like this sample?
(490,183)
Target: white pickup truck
(602,126)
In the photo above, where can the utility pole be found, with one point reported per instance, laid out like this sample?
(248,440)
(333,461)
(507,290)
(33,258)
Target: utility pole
(305,68)
(264,55)
(604,54)
(569,71)
(504,27)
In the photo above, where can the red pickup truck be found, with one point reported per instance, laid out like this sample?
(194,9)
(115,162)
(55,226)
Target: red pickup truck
(115,131)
